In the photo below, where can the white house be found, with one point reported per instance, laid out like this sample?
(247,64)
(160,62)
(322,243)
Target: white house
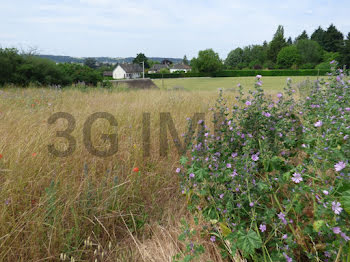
(127,71)
(180,67)
(156,68)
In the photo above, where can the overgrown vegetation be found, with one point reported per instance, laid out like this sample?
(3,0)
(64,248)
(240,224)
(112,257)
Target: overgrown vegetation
(272,178)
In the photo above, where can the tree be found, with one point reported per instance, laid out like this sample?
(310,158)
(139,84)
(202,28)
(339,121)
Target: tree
(90,62)
(310,52)
(234,58)
(141,58)
(333,39)
(346,52)
(289,41)
(185,60)
(277,43)
(319,36)
(207,61)
(288,56)
(303,36)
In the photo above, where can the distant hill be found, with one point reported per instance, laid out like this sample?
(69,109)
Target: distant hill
(110,60)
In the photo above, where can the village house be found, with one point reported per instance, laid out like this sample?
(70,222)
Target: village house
(180,68)
(127,71)
(157,67)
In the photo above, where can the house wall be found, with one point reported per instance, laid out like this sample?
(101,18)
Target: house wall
(172,70)
(119,73)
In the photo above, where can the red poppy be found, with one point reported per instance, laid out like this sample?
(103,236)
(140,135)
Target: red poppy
(136,169)
(34,154)
(0,156)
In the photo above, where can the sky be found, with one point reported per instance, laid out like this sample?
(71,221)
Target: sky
(159,28)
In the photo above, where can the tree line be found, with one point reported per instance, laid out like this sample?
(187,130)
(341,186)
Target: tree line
(304,52)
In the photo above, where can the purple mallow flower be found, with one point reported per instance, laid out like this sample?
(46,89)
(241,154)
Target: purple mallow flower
(297,178)
(336,207)
(255,157)
(262,227)
(319,123)
(339,166)
(336,230)
(191,175)
(178,170)
(248,103)
(212,238)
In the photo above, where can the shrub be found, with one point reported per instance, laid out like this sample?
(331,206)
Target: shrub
(288,56)
(272,179)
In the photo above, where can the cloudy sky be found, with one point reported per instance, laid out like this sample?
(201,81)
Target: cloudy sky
(162,28)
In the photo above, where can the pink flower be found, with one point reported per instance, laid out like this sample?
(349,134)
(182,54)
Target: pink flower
(262,228)
(191,175)
(339,166)
(336,207)
(279,95)
(178,170)
(347,109)
(319,123)
(297,178)
(258,76)
(248,103)
(336,230)
(325,192)
(255,157)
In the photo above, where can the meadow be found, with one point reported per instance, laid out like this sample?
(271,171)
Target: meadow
(124,207)
(271,84)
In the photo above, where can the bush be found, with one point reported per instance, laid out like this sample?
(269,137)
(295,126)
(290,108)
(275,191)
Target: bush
(272,179)
(288,56)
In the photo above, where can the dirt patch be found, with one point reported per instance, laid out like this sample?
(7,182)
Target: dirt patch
(135,84)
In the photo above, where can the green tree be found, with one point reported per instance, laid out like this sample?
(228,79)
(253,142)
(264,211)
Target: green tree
(277,43)
(346,52)
(185,60)
(288,56)
(207,61)
(319,36)
(141,58)
(90,62)
(234,58)
(303,36)
(289,41)
(333,40)
(310,52)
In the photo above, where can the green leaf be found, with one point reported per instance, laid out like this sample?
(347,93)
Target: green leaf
(183,160)
(248,242)
(345,201)
(318,224)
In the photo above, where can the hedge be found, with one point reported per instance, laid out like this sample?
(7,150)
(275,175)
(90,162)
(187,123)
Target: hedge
(238,73)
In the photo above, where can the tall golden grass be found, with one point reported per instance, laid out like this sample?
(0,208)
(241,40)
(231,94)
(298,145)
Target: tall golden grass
(84,207)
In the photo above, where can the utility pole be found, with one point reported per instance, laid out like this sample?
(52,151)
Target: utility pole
(143,69)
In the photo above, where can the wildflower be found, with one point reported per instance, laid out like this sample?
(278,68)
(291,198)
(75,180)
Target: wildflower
(255,157)
(221,196)
(289,259)
(336,230)
(339,166)
(336,207)
(332,62)
(297,178)
(259,83)
(346,238)
(34,155)
(285,236)
(234,155)
(325,192)
(136,169)
(251,204)
(279,95)
(289,79)
(347,109)
(281,216)
(248,103)
(228,165)
(212,239)
(1,156)
(234,173)
(191,175)
(262,228)
(319,123)
(258,76)
(238,85)
(178,170)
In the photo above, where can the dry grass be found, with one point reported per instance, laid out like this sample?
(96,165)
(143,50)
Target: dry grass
(51,205)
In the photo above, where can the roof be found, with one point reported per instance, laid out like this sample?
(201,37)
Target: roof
(157,67)
(107,73)
(181,66)
(131,68)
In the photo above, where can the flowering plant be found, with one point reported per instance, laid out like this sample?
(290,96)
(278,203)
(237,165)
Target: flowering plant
(273,179)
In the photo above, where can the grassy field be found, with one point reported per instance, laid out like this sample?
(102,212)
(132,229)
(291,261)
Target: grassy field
(207,84)
(52,205)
